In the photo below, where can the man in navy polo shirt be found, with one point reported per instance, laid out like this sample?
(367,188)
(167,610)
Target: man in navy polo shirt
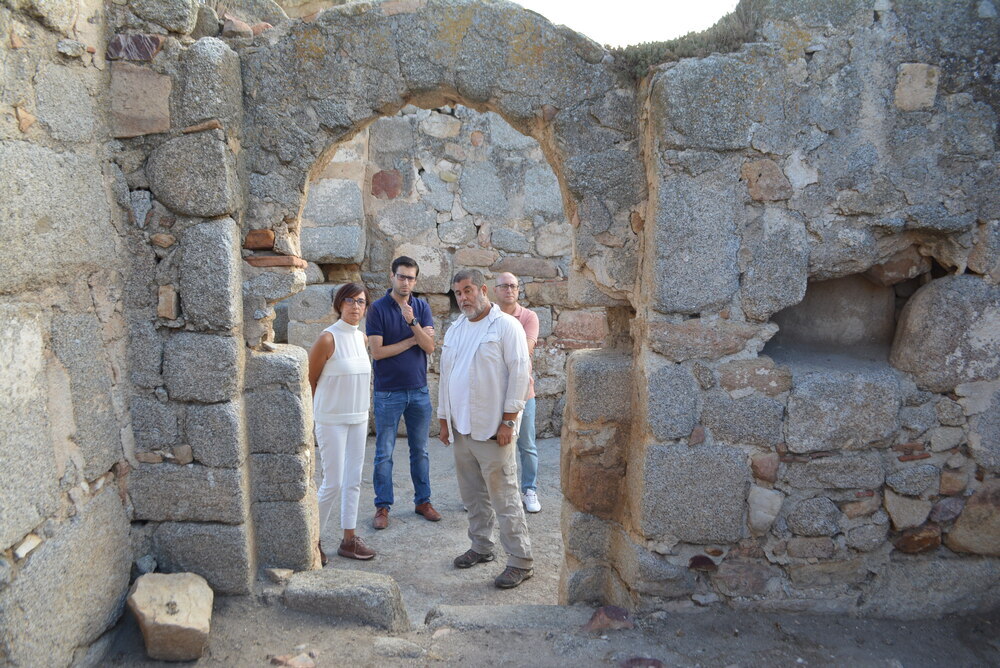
(401,336)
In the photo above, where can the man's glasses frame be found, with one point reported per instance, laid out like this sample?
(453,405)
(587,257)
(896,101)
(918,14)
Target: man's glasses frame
(508,286)
(408,279)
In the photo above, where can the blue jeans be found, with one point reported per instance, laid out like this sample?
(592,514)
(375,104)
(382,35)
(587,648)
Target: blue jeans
(526,450)
(414,406)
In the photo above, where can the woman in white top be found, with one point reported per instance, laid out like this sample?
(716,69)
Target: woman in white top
(340,375)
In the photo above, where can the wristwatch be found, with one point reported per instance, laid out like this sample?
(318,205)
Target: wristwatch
(413,323)
(508,423)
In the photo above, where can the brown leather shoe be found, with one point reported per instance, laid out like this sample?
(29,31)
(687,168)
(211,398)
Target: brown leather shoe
(381,520)
(355,548)
(427,510)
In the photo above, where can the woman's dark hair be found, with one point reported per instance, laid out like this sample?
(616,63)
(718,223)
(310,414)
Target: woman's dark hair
(350,290)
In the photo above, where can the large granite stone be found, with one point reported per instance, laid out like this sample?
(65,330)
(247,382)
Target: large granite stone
(202,367)
(847,471)
(649,573)
(915,588)
(31,480)
(701,338)
(333,245)
(334,202)
(175,15)
(542,196)
(915,480)
(192,493)
(279,421)
(215,433)
(672,400)
(753,420)
(286,533)
(774,260)
(599,384)
(75,581)
(695,265)
(194,175)
(78,342)
(984,436)
(64,103)
(695,495)
(947,333)
(154,423)
(212,85)
(482,191)
(279,477)
(355,596)
(832,410)
(220,553)
(210,278)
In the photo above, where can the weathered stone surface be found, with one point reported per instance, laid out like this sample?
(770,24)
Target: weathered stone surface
(810,548)
(174,612)
(526,266)
(765,504)
(64,103)
(78,342)
(369,598)
(435,266)
(62,569)
(278,421)
(921,539)
(314,304)
(554,239)
(947,333)
(853,471)
(581,329)
(194,175)
(187,493)
(672,400)
(696,495)
(215,434)
(140,101)
(219,553)
(759,374)
(458,232)
(946,438)
(947,509)
(952,482)
(212,84)
(752,420)
(841,410)
(774,261)
(210,269)
(334,202)
(696,247)
(279,477)
(599,385)
(985,256)
(864,506)
(904,265)
(136,46)
(744,578)
(977,529)
(153,423)
(285,365)
(699,338)
(475,257)
(915,480)
(906,512)
(52,202)
(765,180)
(814,517)
(765,466)
(587,537)
(344,244)
(547,293)
(286,533)
(912,587)
(648,573)
(175,15)
(168,303)
(825,574)
(984,437)
(542,196)
(510,241)
(916,86)
(482,191)
(202,367)
(868,537)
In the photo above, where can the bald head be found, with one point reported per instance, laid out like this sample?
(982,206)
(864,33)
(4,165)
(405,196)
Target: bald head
(506,290)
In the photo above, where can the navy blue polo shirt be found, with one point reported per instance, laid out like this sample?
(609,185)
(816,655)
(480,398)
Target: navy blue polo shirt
(407,370)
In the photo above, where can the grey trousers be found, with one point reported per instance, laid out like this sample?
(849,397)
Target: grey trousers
(487,481)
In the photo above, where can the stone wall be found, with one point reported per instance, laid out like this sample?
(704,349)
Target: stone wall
(841,475)
(65,434)
(452,188)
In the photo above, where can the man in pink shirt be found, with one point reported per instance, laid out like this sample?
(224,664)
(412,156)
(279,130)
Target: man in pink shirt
(505,295)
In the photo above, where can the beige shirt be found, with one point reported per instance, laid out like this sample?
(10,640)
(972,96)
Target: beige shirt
(497,376)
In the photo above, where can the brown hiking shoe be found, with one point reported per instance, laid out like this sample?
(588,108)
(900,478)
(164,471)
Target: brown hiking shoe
(381,520)
(427,510)
(355,548)
(512,576)
(471,558)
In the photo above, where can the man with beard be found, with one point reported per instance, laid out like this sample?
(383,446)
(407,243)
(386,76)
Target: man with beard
(484,379)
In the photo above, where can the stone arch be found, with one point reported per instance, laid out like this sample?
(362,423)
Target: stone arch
(314,85)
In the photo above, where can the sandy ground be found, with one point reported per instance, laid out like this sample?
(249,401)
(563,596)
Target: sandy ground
(417,553)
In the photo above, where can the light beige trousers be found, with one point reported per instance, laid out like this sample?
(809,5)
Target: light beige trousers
(487,481)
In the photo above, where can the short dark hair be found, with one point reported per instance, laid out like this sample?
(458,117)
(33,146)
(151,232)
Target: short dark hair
(474,275)
(349,290)
(404,261)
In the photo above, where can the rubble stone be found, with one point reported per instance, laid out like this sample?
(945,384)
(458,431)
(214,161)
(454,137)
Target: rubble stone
(915,480)
(369,598)
(700,338)
(977,529)
(194,175)
(765,504)
(760,374)
(814,517)
(174,612)
(906,512)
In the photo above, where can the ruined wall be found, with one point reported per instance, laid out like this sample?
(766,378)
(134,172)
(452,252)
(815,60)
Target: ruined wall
(839,475)
(451,188)
(64,380)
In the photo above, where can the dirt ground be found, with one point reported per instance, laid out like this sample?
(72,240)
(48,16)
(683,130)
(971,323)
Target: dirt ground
(417,553)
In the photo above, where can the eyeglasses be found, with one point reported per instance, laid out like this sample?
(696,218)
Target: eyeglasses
(351,300)
(507,286)
(408,279)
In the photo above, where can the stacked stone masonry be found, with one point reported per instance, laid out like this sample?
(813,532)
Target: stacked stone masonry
(168,180)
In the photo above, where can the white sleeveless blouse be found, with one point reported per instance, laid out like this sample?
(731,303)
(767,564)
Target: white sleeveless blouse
(344,387)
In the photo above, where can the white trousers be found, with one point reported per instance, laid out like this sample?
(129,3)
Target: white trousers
(341,454)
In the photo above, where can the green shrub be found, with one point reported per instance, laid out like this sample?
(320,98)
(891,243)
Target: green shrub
(730,33)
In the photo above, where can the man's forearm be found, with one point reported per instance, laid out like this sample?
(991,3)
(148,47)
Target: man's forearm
(424,339)
(393,349)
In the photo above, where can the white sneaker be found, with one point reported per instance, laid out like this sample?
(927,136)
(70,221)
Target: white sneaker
(531,503)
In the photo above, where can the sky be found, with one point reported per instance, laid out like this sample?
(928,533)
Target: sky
(624,22)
